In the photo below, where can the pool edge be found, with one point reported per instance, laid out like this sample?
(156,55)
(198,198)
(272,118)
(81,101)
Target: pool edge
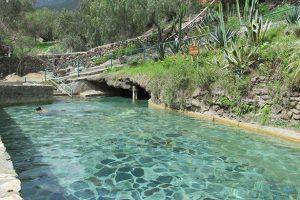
(286,134)
(10,185)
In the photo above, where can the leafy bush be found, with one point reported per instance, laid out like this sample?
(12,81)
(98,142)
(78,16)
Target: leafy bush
(265,114)
(226,102)
(242,109)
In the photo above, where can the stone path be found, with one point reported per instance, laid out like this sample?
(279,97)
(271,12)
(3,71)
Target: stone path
(10,186)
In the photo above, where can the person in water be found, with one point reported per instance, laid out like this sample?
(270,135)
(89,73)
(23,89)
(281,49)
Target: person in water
(40,110)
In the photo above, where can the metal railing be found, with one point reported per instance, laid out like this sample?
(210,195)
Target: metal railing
(61,86)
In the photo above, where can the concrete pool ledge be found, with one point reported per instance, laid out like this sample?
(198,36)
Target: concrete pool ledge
(10,185)
(286,134)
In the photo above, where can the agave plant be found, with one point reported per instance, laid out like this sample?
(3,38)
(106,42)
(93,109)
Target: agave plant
(161,48)
(222,35)
(239,57)
(294,16)
(175,47)
(257,28)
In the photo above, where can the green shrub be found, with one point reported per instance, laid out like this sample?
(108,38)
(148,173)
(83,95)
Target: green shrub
(226,102)
(265,114)
(241,109)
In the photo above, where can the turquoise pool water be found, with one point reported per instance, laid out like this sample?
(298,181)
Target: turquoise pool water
(108,148)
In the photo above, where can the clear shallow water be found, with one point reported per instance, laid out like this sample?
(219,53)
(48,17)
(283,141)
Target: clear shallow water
(110,149)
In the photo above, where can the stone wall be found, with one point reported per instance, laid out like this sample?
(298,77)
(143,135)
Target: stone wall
(10,186)
(18,94)
(259,96)
(13,65)
(85,59)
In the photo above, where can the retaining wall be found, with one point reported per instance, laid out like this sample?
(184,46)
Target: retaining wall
(25,94)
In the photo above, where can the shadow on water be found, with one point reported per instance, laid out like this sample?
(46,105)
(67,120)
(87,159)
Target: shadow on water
(28,163)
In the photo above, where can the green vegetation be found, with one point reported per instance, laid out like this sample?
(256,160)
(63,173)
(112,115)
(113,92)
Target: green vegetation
(270,52)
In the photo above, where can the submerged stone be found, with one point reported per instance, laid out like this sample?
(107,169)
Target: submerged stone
(148,193)
(174,135)
(107,161)
(109,182)
(122,177)
(94,180)
(135,185)
(102,192)
(177,196)
(120,155)
(168,192)
(105,171)
(125,169)
(165,179)
(146,159)
(153,184)
(166,185)
(140,180)
(138,172)
(79,185)
(84,194)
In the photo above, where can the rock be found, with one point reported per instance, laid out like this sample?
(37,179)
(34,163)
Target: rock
(138,172)
(265,97)
(79,185)
(148,193)
(95,181)
(296,117)
(294,98)
(91,93)
(122,177)
(295,111)
(105,171)
(293,104)
(286,115)
(197,93)
(145,159)
(215,108)
(125,169)
(82,86)
(298,106)
(107,161)
(84,194)
(220,112)
(196,103)
(123,59)
(165,179)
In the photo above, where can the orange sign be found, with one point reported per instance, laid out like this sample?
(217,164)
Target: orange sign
(194,50)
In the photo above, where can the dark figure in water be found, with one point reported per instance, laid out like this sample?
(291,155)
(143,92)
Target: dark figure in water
(40,110)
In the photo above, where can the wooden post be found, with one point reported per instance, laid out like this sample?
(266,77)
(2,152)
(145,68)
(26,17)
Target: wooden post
(134,94)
